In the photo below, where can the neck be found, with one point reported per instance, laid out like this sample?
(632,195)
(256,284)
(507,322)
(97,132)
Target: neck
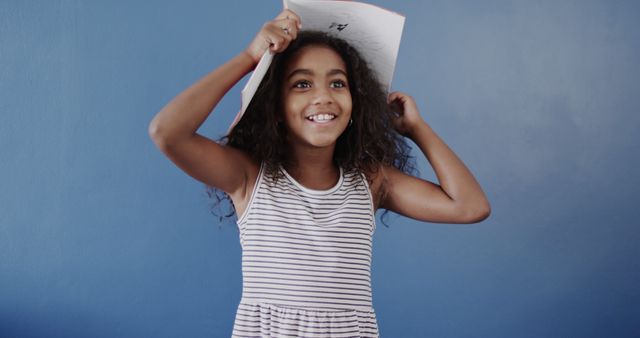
(313,167)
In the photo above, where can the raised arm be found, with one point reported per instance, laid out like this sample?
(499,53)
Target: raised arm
(458,199)
(174,128)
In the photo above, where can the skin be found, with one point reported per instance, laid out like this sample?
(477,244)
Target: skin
(316,82)
(457,199)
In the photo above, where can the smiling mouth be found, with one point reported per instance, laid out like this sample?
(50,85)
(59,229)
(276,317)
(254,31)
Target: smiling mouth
(321,118)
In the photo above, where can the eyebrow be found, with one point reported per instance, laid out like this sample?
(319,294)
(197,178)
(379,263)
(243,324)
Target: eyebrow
(309,72)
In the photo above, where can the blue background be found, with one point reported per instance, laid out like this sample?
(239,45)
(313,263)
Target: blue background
(102,236)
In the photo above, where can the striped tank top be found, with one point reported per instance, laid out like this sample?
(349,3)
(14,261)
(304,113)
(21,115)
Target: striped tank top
(306,259)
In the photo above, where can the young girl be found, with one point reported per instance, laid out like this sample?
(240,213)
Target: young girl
(319,149)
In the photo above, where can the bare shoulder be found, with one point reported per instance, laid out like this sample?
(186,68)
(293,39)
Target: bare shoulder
(376,179)
(381,180)
(251,167)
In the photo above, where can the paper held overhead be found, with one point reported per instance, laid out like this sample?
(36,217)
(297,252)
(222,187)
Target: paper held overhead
(374,31)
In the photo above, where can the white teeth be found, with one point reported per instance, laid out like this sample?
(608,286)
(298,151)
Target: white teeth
(321,117)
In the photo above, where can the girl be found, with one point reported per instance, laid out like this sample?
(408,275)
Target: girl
(319,150)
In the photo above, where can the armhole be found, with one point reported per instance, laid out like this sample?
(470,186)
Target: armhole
(242,218)
(373,210)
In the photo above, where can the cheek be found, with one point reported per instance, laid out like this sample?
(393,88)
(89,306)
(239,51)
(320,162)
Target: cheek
(347,104)
(291,107)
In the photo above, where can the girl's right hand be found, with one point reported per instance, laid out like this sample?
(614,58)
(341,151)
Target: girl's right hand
(275,35)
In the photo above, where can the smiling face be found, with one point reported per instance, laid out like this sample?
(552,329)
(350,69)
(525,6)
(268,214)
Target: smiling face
(316,97)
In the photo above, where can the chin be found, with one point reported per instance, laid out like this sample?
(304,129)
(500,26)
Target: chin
(323,143)
(319,141)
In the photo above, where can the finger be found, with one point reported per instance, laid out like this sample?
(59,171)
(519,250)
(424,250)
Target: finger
(277,43)
(278,40)
(400,99)
(289,14)
(397,109)
(288,26)
(396,103)
(393,96)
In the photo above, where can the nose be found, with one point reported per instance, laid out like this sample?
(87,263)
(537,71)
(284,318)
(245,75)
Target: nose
(322,96)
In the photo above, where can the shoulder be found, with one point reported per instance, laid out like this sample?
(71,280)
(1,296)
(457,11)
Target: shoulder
(386,181)
(250,166)
(240,198)
(377,179)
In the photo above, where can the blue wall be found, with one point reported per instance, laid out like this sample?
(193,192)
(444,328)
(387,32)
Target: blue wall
(101,236)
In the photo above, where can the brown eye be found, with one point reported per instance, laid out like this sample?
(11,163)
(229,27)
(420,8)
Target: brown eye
(302,84)
(338,84)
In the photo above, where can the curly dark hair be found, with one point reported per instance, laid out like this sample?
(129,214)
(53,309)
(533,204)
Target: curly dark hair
(370,142)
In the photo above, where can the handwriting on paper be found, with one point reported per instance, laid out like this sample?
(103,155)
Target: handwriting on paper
(338,26)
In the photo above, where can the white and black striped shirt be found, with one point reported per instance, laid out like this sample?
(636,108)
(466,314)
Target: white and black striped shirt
(306,259)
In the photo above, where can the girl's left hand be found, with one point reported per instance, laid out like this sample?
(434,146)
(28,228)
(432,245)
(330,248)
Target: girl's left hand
(407,113)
